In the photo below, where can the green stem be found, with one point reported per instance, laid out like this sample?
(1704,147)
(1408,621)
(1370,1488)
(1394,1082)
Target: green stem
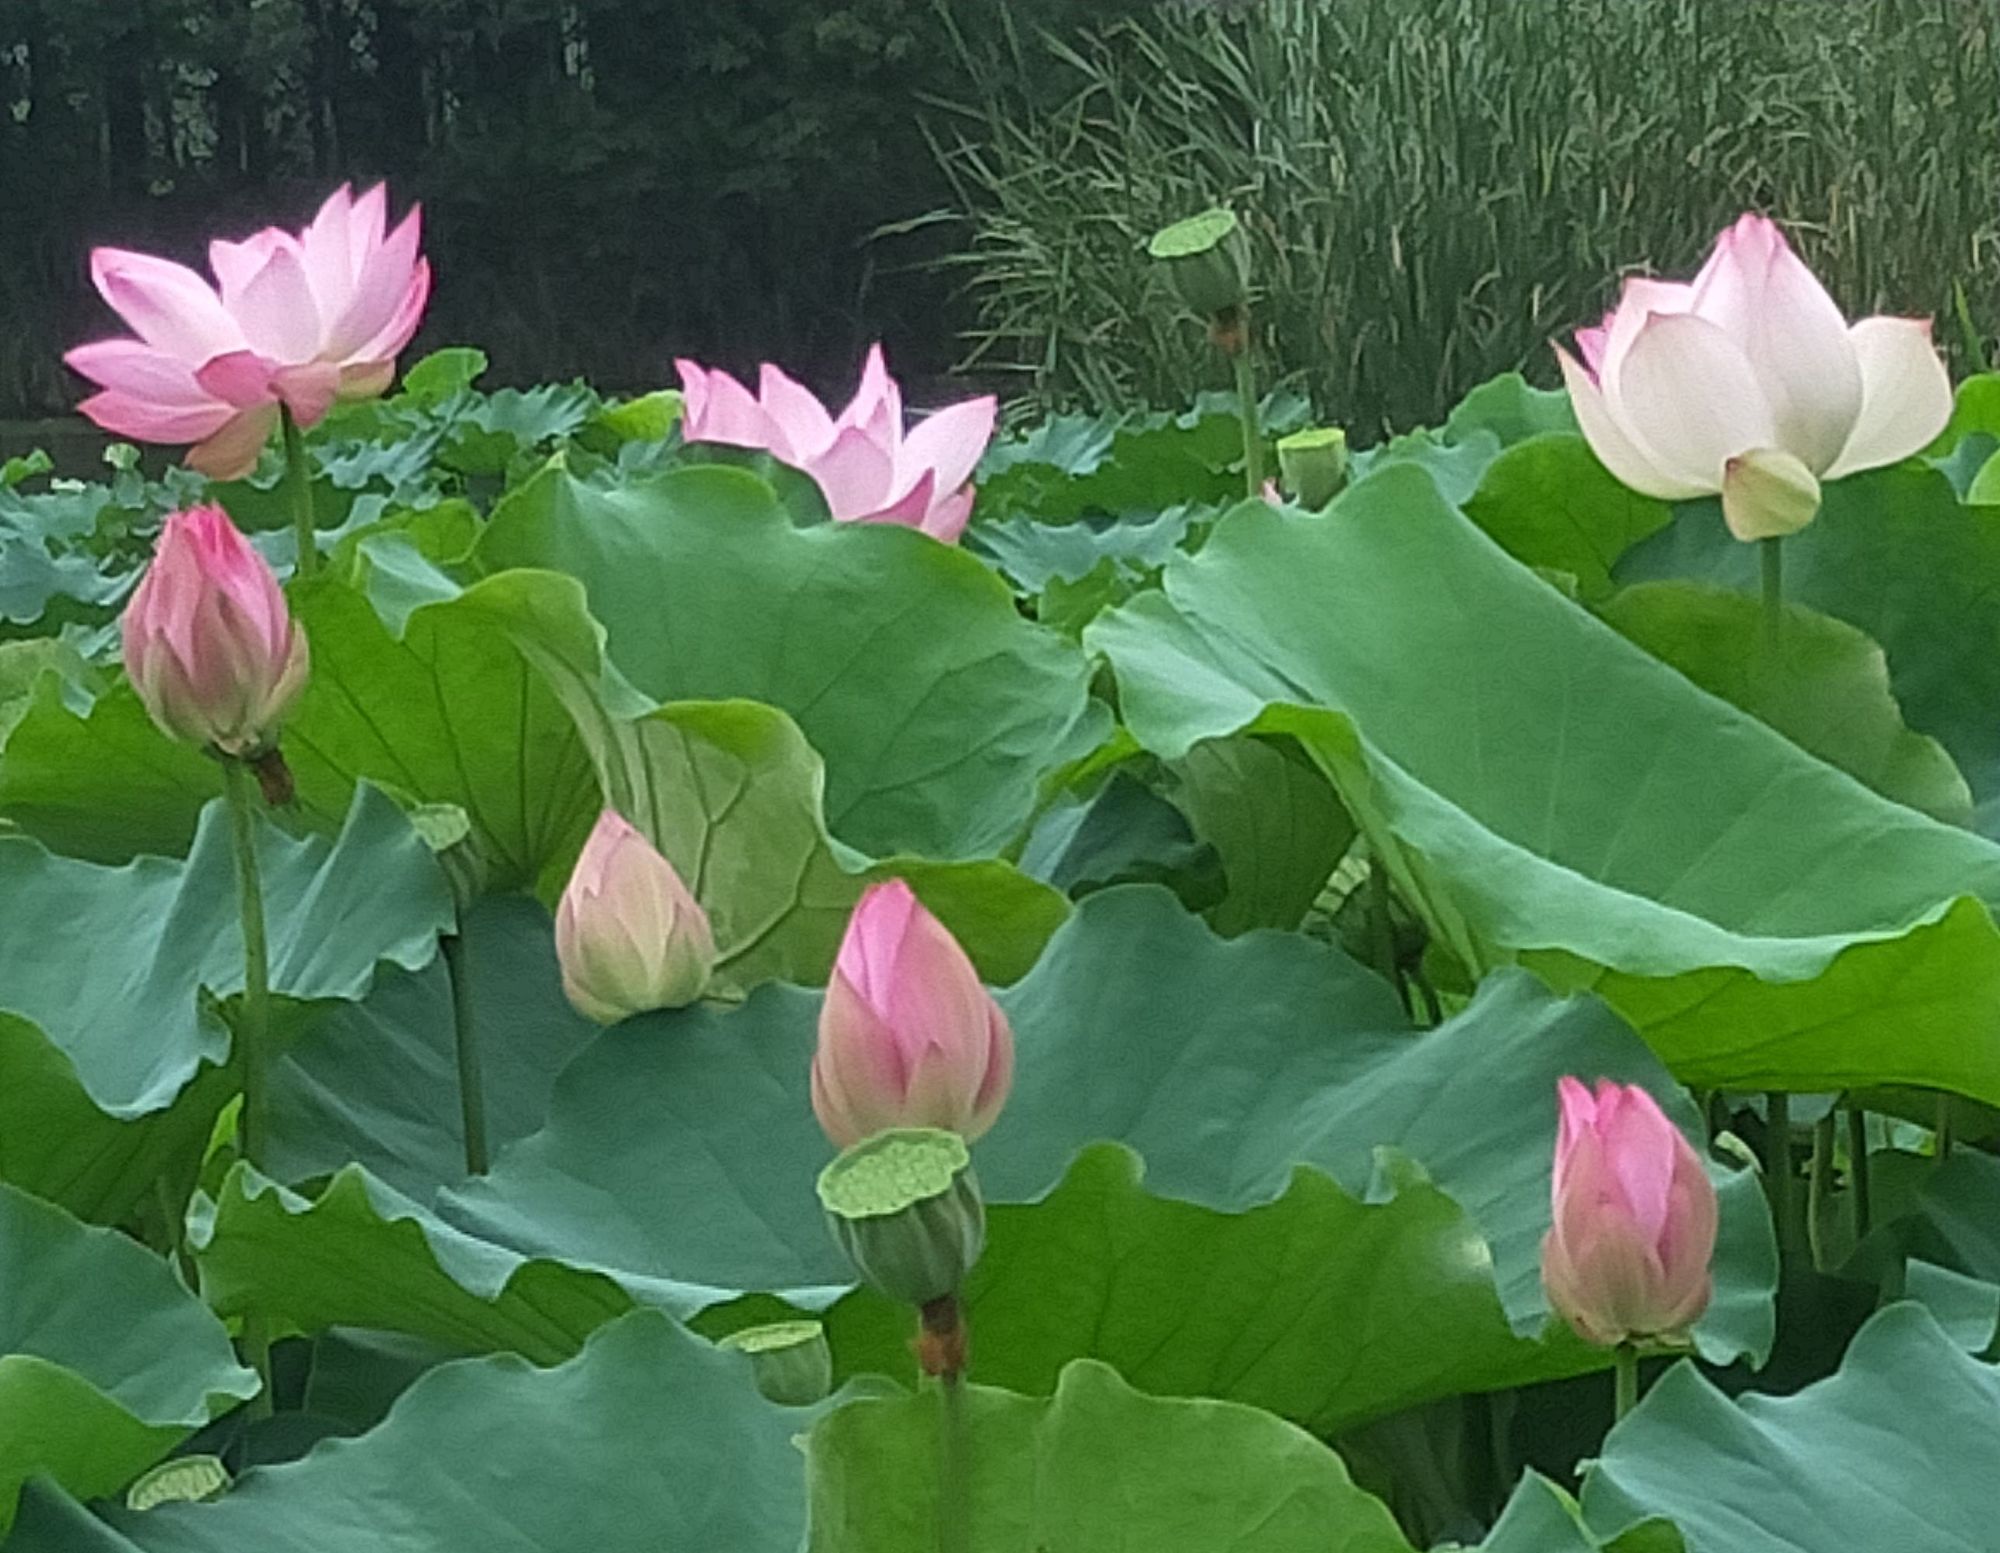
(298,477)
(252,1022)
(1382,921)
(1778,1165)
(1773,554)
(954,1467)
(1246,407)
(1625,1369)
(1858,1168)
(1819,1182)
(471,1086)
(1944,1138)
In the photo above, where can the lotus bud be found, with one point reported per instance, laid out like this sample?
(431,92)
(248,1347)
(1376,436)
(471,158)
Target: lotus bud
(1314,465)
(210,645)
(1207,262)
(1767,494)
(791,1360)
(908,1037)
(1627,1258)
(629,935)
(905,1207)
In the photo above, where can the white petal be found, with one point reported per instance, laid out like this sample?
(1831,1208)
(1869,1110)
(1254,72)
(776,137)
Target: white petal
(1614,449)
(1905,394)
(1688,398)
(1640,298)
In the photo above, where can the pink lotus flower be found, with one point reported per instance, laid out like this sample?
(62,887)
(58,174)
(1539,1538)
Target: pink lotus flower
(294,320)
(1749,384)
(629,935)
(864,464)
(210,645)
(1635,1218)
(908,1037)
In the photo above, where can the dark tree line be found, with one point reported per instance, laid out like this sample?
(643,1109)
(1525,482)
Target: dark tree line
(606,182)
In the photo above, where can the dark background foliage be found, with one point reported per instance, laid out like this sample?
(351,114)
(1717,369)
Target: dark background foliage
(605,182)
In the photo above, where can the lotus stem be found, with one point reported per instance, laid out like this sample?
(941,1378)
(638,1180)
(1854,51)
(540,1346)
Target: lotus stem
(1944,1137)
(298,477)
(1625,1372)
(252,1025)
(1819,1181)
(1246,407)
(1858,1168)
(942,1347)
(1772,552)
(1778,1166)
(471,1084)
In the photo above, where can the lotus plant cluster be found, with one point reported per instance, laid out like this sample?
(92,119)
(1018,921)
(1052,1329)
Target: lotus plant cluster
(621,922)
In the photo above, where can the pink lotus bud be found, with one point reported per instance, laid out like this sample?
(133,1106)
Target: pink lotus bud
(1635,1216)
(908,1037)
(294,319)
(629,935)
(866,466)
(1681,381)
(209,644)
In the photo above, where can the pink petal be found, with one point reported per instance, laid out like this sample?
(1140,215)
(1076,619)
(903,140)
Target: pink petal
(1641,1147)
(136,369)
(950,443)
(366,379)
(329,259)
(719,409)
(877,407)
(309,390)
(379,291)
(167,304)
(395,334)
(1640,298)
(1590,344)
(240,378)
(277,312)
(367,220)
(795,411)
(147,420)
(1759,293)
(231,452)
(1905,394)
(855,475)
(237,264)
(1615,449)
(947,518)
(913,509)
(875,932)
(1686,396)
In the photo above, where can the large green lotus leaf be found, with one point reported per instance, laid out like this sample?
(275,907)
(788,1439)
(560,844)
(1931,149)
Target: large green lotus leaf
(1894,1451)
(1542,1518)
(1549,502)
(1826,689)
(106,1361)
(377,1081)
(1094,1467)
(408,689)
(731,793)
(362,1255)
(109,1055)
(1893,553)
(1255,1077)
(649,1439)
(1491,419)
(936,707)
(1274,820)
(1546,792)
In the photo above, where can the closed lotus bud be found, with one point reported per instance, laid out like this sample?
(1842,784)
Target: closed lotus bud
(791,1360)
(1767,494)
(908,1036)
(905,1207)
(1206,260)
(1635,1216)
(1314,464)
(210,646)
(629,935)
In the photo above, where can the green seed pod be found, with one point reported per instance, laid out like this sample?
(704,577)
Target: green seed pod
(791,1360)
(1207,262)
(905,1208)
(1313,465)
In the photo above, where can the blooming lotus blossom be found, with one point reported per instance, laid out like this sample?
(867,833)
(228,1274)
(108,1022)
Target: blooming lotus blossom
(1749,384)
(630,937)
(908,1037)
(298,320)
(867,467)
(1635,1217)
(210,646)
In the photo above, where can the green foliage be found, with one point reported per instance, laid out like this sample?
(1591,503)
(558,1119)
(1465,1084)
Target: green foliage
(1434,188)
